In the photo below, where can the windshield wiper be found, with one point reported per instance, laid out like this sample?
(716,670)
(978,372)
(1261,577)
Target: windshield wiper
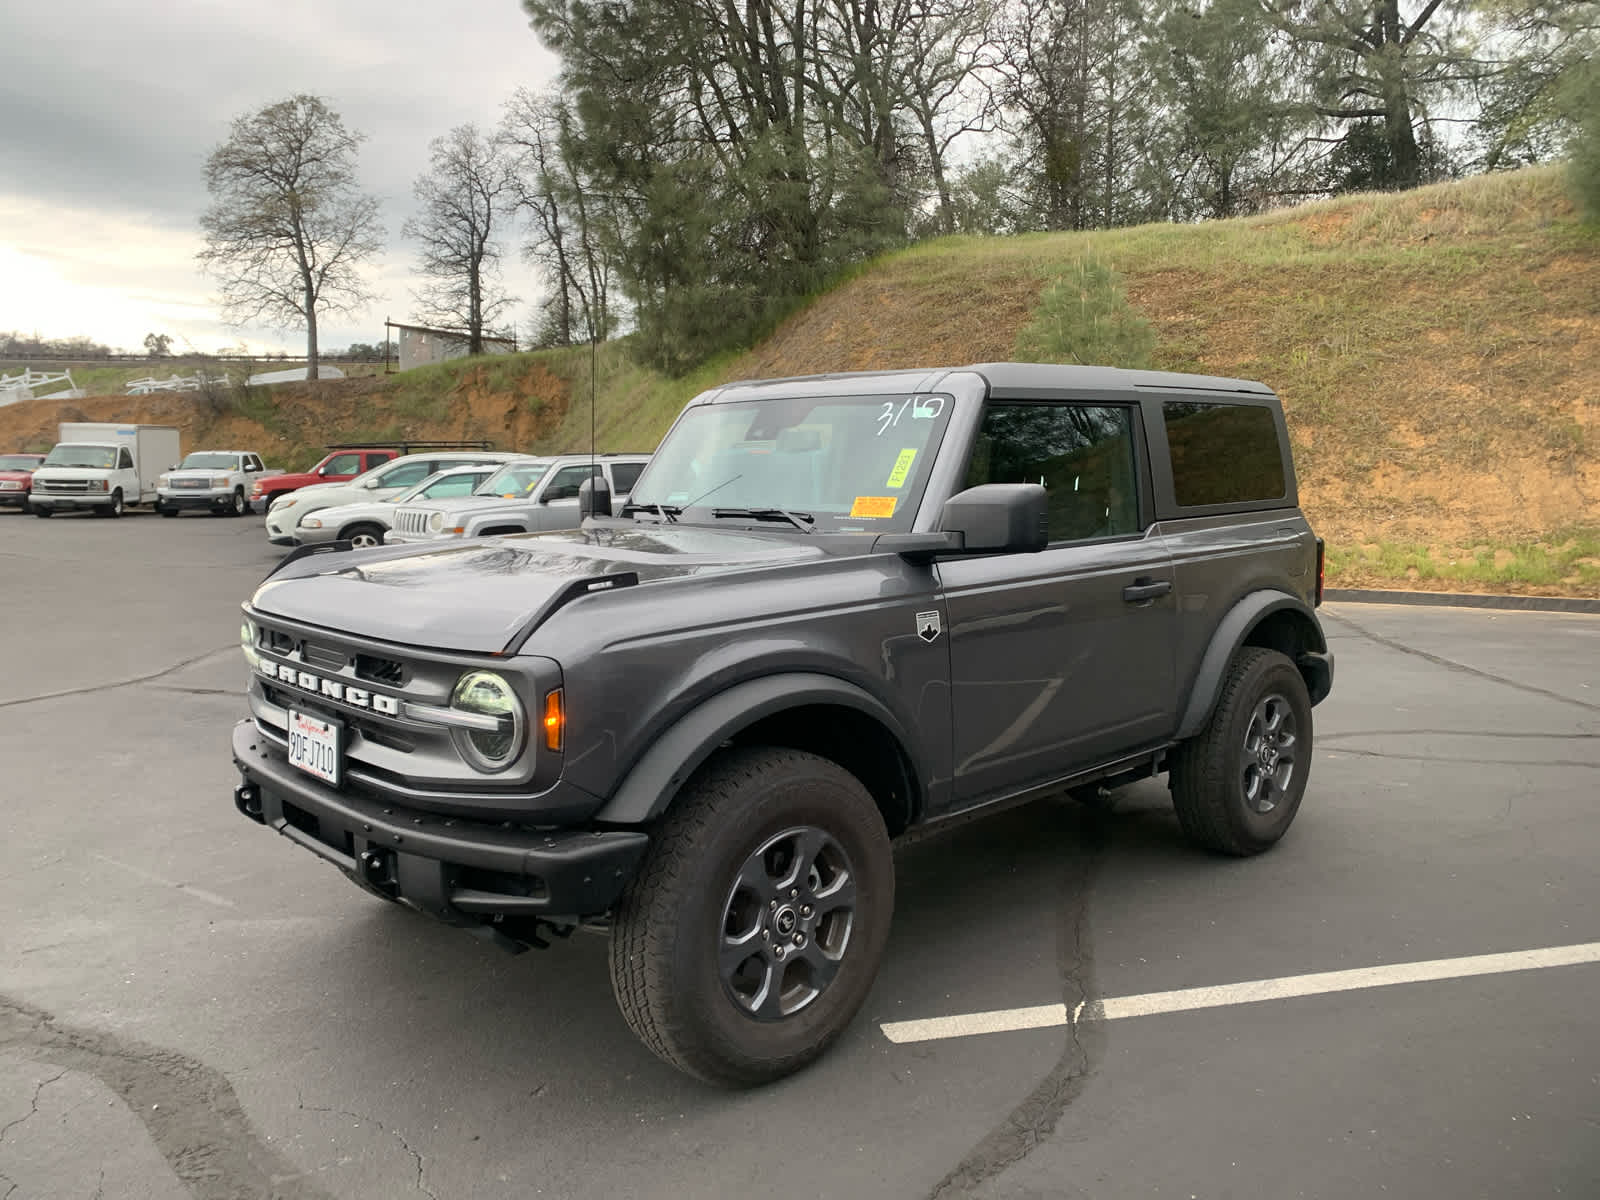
(667,512)
(801,521)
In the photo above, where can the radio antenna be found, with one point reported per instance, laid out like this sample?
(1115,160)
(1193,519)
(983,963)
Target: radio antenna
(594,359)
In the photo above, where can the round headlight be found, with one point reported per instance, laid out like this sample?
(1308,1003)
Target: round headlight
(485,694)
(436,522)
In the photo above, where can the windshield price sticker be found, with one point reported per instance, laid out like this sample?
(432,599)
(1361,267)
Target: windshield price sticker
(902,467)
(873,506)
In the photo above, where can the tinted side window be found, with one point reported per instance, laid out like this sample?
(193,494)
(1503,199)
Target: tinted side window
(1081,453)
(567,481)
(1223,453)
(624,475)
(407,474)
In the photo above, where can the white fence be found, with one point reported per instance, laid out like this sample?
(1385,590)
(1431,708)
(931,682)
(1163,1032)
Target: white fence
(16,388)
(176,383)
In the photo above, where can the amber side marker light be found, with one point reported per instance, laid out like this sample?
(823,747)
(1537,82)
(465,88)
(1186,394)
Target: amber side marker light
(555,720)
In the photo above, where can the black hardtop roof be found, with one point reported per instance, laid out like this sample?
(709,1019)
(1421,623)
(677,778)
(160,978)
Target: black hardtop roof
(1005,380)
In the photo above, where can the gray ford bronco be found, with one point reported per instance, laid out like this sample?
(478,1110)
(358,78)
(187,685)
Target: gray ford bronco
(834,609)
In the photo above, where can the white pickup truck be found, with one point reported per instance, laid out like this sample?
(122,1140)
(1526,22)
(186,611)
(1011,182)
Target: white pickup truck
(215,481)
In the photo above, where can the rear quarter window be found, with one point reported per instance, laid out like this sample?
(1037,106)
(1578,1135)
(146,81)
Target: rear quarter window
(1223,453)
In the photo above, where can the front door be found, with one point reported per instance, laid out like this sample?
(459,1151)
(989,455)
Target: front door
(1063,659)
(558,502)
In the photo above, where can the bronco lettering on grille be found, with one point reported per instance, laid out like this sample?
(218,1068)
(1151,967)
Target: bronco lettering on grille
(333,689)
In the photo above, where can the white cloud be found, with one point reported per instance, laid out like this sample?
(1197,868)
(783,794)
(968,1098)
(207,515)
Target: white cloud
(102,188)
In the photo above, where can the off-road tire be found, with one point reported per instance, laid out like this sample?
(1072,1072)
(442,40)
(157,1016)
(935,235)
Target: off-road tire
(375,532)
(669,924)
(1207,770)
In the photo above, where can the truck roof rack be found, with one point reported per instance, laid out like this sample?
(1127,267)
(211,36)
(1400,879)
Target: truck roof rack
(406,447)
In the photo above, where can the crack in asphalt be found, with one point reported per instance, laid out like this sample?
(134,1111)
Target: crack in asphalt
(33,1105)
(1451,664)
(420,1183)
(121,683)
(189,1109)
(11,1186)
(1035,1119)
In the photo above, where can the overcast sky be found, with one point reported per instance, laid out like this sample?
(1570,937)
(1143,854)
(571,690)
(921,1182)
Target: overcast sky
(108,111)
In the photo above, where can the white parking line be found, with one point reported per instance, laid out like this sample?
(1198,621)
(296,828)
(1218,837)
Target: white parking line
(1116,1008)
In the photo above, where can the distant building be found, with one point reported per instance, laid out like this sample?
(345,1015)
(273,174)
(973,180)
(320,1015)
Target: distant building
(418,345)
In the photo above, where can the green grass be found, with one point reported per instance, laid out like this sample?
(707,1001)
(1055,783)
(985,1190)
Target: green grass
(1568,558)
(1084,317)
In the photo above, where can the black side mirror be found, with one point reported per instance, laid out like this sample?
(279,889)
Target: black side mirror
(999,518)
(594,498)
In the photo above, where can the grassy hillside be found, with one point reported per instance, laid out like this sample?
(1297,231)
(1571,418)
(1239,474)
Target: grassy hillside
(1437,353)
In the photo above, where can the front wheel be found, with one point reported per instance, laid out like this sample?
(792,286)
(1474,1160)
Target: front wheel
(116,508)
(362,536)
(43,510)
(1237,784)
(237,505)
(166,510)
(753,931)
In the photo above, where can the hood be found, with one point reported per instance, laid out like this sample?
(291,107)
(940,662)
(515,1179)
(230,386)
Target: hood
(482,595)
(18,476)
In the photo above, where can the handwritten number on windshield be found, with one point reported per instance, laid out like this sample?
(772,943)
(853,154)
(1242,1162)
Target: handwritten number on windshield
(890,416)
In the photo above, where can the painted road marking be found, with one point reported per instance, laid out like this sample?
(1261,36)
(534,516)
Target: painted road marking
(1116,1008)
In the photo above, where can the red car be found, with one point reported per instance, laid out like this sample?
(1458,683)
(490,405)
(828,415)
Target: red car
(16,479)
(343,463)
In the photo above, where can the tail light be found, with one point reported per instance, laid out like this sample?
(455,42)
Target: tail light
(1321,559)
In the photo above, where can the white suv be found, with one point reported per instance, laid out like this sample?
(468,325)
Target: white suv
(529,496)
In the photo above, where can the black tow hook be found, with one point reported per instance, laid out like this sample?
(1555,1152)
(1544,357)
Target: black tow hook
(247,799)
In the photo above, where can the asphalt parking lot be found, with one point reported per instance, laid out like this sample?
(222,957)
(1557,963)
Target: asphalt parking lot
(190,1005)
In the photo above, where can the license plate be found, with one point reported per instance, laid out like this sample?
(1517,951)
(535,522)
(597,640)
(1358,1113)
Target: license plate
(314,746)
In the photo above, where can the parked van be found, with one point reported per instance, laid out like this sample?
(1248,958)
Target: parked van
(103,468)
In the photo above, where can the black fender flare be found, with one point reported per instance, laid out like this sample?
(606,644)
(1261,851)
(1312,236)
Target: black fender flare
(1231,633)
(658,774)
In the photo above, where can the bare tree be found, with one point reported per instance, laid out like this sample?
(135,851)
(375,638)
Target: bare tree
(465,191)
(567,228)
(287,230)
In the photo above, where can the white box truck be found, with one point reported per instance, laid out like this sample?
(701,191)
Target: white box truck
(103,468)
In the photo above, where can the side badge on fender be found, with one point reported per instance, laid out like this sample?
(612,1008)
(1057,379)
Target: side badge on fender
(928,626)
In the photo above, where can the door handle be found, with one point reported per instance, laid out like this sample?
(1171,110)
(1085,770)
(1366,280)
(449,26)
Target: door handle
(1144,590)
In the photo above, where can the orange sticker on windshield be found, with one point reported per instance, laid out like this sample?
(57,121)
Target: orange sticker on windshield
(873,506)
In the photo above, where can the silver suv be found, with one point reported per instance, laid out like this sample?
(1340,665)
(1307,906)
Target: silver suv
(528,496)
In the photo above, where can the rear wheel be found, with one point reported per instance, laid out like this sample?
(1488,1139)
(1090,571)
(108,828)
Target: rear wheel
(1237,784)
(754,929)
(363,536)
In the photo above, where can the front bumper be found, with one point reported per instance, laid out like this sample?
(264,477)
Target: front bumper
(460,871)
(189,498)
(14,499)
(87,502)
(280,529)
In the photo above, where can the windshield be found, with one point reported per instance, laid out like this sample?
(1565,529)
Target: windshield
(18,462)
(851,462)
(98,458)
(210,461)
(514,480)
